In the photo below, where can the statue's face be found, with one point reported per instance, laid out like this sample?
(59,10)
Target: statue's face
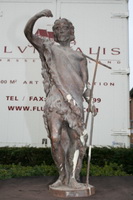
(62,31)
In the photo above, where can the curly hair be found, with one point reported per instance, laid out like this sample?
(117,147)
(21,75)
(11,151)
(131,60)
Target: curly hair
(71,27)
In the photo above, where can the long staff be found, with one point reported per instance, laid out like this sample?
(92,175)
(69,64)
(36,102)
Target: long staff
(92,87)
(92,118)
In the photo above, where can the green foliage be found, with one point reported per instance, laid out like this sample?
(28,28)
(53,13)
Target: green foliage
(101,157)
(112,169)
(27,156)
(121,156)
(13,171)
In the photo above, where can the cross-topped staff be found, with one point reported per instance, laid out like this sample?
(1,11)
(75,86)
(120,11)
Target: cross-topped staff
(89,109)
(99,62)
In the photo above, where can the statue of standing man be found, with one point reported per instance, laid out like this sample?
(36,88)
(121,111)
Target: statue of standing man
(65,77)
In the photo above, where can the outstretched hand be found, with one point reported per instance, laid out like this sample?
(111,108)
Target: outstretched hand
(46,13)
(93,110)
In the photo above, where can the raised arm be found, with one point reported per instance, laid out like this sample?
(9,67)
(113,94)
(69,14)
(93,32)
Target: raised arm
(28,31)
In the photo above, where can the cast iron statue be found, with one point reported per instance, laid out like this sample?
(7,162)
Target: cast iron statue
(65,78)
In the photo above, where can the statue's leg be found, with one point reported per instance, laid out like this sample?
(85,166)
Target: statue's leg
(82,152)
(54,125)
(73,156)
(65,142)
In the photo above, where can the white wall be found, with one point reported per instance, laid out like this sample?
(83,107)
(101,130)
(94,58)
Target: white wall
(101,23)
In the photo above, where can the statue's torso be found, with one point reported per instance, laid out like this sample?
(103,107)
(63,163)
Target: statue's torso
(65,64)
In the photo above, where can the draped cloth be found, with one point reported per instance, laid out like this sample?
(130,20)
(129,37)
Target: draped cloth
(63,71)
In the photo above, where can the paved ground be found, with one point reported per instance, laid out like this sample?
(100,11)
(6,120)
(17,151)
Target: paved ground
(36,188)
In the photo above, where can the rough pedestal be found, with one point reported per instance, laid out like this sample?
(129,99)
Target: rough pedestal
(64,191)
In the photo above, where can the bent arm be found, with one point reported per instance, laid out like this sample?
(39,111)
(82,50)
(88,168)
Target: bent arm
(84,72)
(28,31)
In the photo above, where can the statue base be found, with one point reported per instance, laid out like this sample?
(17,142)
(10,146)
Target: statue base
(65,191)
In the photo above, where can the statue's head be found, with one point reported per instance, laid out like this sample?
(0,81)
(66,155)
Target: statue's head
(63,30)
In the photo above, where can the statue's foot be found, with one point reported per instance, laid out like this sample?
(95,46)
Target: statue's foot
(65,181)
(78,178)
(74,184)
(57,183)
